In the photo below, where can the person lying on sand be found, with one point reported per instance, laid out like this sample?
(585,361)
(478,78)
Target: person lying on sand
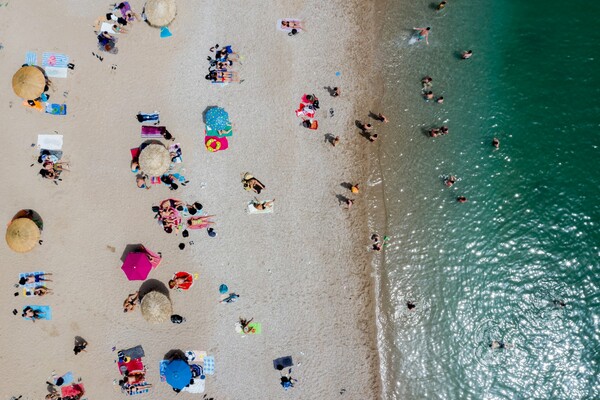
(29,312)
(251,183)
(262,205)
(292,24)
(244,324)
(131,302)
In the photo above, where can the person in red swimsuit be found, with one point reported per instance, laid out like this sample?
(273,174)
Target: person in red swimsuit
(181,280)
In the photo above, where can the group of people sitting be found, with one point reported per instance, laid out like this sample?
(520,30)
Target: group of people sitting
(109,25)
(442,130)
(169,179)
(219,70)
(308,106)
(52,166)
(171,213)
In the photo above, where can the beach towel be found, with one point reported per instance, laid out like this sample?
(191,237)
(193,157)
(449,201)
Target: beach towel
(133,365)
(31,285)
(152,132)
(135,153)
(175,151)
(209,365)
(286,29)
(136,388)
(67,378)
(108,27)
(56,72)
(196,387)
(305,110)
(31,58)
(134,352)
(37,105)
(162,366)
(215,133)
(50,142)
(54,60)
(46,312)
(29,292)
(255,328)
(214,144)
(283,362)
(155,180)
(72,390)
(56,109)
(148,117)
(254,210)
(198,222)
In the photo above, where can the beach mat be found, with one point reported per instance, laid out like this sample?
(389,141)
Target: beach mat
(152,132)
(134,352)
(31,58)
(26,274)
(214,144)
(67,379)
(215,133)
(56,109)
(72,390)
(283,362)
(165,32)
(196,387)
(255,329)
(56,72)
(138,388)
(253,210)
(133,365)
(50,142)
(57,60)
(45,310)
(209,365)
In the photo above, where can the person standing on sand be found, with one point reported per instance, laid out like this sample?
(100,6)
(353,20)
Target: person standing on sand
(423,33)
(382,118)
(335,141)
(366,128)
(354,189)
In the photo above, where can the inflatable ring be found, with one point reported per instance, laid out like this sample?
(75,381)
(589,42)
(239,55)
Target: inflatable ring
(213,142)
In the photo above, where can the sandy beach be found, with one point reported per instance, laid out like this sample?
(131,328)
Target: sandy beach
(304,272)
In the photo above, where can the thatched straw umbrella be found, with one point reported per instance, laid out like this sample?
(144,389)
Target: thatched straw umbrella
(160,12)
(22,235)
(156,307)
(29,82)
(155,159)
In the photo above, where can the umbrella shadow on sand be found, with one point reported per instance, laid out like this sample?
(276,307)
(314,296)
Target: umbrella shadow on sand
(175,354)
(130,248)
(153,285)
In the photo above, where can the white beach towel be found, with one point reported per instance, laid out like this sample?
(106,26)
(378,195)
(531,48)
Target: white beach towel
(56,72)
(197,387)
(108,27)
(253,210)
(50,142)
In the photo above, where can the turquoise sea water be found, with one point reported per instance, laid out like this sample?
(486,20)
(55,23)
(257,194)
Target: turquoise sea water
(489,269)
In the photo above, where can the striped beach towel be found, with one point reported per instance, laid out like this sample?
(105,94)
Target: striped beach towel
(31,58)
(56,60)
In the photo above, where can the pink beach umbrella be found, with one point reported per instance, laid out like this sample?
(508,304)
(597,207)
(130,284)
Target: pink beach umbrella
(137,266)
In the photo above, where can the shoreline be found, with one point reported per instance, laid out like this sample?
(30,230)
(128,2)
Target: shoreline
(303,271)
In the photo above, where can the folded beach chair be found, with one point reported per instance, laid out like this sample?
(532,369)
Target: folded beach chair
(285,28)
(31,58)
(46,312)
(27,274)
(152,132)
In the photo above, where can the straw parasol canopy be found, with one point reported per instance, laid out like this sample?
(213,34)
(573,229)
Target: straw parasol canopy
(160,12)
(29,82)
(155,159)
(156,307)
(22,235)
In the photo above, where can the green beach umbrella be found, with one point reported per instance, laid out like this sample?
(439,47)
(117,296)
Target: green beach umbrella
(217,118)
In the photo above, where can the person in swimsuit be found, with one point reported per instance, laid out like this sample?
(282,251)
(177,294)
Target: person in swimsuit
(181,281)
(496,143)
(41,291)
(289,24)
(466,54)
(423,33)
(450,181)
(254,185)
(440,100)
(29,312)
(34,278)
(335,141)
(497,344)
(461,199)
(441,6)
(141,182)
(264,205)
(131,302)
(231,298)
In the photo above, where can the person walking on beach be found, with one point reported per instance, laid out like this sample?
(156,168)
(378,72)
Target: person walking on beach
(423,33)
(355,189)
(497,344)
(366,128)
(335,141)
(382,118)
(80,345)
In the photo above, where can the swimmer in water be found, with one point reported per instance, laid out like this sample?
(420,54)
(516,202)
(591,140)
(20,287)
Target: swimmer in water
(423,33)
(496,143)
(461,199)
(466,54)
(559,303)
(451,180)
(410,305)
(497,344)
(444,130)
(441,6)
(440,100)
(428,95)
(435,132)
(427,82)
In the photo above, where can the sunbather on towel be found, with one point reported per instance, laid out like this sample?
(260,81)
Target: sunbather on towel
(262,205)
(289,24)
(34,278)
(29,312)
(131,302)
(42,291)
(200,222)
(181,280)
(251,183)
(127,12)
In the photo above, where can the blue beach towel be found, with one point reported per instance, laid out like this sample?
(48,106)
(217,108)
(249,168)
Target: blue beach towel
(26,274)
(46,312)
(56,109)
(31,58)
(209,365)
(55,60)
(162,368)
(67,378)
(165,32)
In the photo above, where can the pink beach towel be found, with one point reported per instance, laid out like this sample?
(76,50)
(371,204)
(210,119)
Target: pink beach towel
(152,132)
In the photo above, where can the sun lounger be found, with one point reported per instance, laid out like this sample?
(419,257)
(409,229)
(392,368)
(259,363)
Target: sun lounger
(56,109)
(45,312)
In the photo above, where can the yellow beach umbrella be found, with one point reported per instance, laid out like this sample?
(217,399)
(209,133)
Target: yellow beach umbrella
(160,12)
(22,235)
(155,159)
(29,82)
(156,307)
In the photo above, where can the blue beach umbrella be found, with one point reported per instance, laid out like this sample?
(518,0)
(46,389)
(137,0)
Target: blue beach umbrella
(217,118)
(178,374)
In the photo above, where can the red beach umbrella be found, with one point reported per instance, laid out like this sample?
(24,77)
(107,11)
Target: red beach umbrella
(137,266)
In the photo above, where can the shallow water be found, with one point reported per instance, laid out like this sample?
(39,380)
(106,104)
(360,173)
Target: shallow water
(490,268)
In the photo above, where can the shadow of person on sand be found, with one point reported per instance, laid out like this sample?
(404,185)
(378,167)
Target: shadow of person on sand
(346,185)
(329,138)
(151,285)
(330,90)
(374,116)
(341,199)
(362,132)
